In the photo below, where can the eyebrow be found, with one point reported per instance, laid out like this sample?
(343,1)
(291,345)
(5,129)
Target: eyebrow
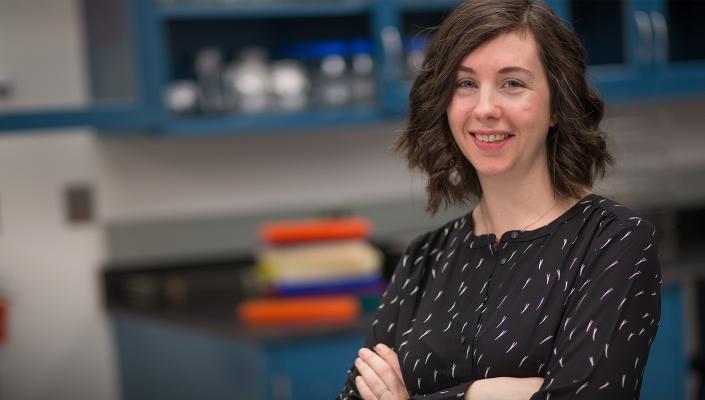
(504,70)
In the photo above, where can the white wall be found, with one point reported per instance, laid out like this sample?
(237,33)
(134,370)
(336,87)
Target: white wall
(159,178)
(59,343)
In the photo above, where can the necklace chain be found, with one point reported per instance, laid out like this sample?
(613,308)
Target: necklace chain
(484,218)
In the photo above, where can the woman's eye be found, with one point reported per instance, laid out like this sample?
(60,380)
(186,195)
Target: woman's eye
(512,84)
(466,84)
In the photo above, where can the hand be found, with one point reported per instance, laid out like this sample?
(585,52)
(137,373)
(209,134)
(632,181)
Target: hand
(504,388)
(380,375)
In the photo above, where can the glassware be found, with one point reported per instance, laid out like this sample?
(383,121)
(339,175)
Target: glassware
(363,86)
(289,84)
(332,82)
(182,96)
(247,80)
(209,71)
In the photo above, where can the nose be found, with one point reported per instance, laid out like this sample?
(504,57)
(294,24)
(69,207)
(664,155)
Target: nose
(487,106)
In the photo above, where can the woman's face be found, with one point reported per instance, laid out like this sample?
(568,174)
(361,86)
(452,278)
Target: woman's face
(501,89)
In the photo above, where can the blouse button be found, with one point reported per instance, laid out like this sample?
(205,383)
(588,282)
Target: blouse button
(503,260)
(463,339)
(515,235)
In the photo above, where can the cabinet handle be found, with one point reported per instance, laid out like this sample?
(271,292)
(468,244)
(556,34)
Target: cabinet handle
(658,21)
(643,24)
(392,46)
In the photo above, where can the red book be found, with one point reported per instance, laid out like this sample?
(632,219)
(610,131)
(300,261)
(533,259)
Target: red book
(312,230)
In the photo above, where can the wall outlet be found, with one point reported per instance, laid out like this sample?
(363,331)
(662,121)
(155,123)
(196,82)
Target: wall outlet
(6,86)
(79,201)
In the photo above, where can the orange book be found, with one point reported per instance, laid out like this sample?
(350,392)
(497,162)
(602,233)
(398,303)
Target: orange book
(311,230)
(299,310)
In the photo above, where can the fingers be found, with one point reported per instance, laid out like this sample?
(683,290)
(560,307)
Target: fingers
(388,377)
(363,389)
(371,381)
(382,368)
(391,358)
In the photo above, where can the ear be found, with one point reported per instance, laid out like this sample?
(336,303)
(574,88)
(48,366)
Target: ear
(553,120)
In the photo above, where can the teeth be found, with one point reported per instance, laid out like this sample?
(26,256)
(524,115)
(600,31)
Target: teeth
(491,138)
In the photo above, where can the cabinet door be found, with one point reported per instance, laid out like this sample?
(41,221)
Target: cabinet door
(70,63)
(679,46)
(313,368)
(667,366)
(618,38)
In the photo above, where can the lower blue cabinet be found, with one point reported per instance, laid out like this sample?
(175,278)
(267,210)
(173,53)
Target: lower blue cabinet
(163,360)
(667,367)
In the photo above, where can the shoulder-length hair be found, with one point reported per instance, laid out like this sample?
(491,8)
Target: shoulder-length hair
(576,148)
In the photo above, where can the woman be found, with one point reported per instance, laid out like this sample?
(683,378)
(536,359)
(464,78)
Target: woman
(566,303)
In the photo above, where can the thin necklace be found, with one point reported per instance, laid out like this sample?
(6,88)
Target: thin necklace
(484,219)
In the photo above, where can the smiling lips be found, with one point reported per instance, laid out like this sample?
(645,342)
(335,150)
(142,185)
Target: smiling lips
(490,135)
(490,140)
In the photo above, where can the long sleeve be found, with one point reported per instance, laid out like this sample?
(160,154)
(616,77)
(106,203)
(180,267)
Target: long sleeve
(610,318)
(404,284)
(385,319)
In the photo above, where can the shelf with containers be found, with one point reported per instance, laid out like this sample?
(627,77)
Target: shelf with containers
(202,67)
(182,67)
(246,67)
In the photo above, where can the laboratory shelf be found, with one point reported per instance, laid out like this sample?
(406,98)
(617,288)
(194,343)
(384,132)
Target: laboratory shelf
(273,122)
(110,117)
(272,10)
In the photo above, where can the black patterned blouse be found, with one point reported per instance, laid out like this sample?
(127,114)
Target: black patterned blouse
(576,301)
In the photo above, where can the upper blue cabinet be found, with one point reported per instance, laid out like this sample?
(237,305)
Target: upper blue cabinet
(67,63)
(679,40)
(183,67)
(642,48)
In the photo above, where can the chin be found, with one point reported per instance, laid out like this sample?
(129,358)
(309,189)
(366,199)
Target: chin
(492,170)
(491,173)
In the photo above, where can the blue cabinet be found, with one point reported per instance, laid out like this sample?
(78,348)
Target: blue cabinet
(159,360)
(641,49)
(637,49)
(679,56)
(667,368)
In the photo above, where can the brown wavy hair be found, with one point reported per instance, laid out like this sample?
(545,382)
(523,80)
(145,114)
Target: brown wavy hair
(576,147)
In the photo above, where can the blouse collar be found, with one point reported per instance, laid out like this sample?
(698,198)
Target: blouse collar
(475,241)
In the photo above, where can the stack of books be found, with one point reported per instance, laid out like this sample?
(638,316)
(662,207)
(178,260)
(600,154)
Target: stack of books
(316,270)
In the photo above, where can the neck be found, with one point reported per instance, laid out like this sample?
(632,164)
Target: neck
(513,202)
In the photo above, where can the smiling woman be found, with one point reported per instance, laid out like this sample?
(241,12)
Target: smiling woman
(566,304)
(502,80)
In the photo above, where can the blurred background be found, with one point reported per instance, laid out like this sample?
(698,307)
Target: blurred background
(179,180)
